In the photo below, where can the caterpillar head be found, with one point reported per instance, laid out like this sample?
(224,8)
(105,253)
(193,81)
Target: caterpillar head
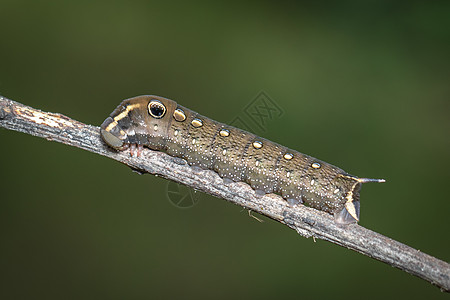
(141,120)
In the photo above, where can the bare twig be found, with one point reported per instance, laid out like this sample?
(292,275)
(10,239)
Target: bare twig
(306,221)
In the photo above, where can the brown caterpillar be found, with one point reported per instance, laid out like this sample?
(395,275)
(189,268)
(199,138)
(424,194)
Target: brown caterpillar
(161,124)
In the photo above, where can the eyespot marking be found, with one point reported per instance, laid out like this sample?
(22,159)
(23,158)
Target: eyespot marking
(156,109)
(257,145)
(288,156)
(224,132)
(179,115)
(315,165)
(155,127)
(197,123)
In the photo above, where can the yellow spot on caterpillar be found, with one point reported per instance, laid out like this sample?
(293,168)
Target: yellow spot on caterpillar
(197,123)
(179,115)
(257,145)
(315,165)
(224,133)
(288,156)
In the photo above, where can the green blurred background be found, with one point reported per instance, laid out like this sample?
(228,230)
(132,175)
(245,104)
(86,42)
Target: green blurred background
(363,84)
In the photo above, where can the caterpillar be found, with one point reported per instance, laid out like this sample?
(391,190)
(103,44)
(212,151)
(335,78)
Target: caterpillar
(236,155)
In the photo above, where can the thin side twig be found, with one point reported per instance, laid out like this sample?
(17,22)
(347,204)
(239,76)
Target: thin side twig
(306,221)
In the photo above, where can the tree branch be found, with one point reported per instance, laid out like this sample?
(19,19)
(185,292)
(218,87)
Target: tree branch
(306,221)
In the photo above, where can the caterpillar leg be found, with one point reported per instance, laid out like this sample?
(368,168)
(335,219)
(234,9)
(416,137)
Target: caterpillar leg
(349,214)
(294,201)
(134,148)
